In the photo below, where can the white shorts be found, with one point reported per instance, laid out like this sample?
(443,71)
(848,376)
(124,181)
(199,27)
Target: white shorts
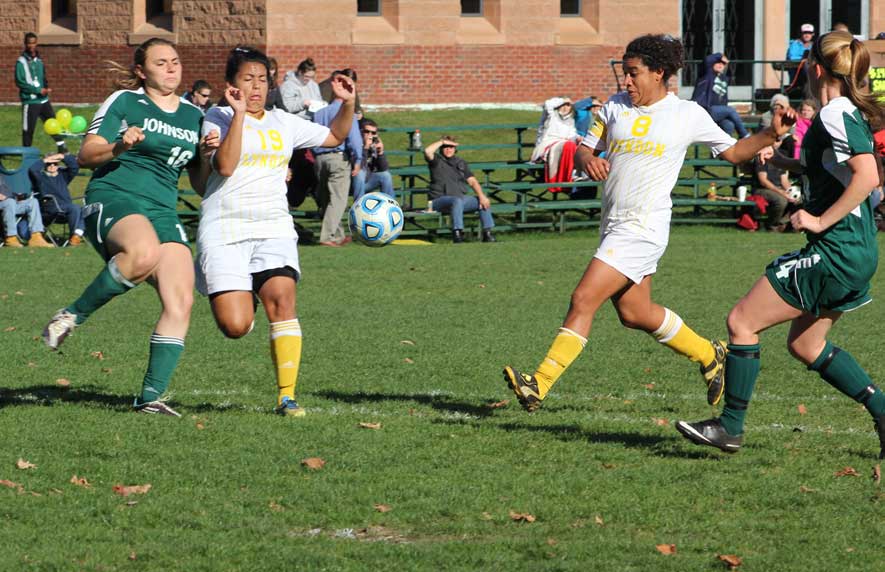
(230,266)
(631,254)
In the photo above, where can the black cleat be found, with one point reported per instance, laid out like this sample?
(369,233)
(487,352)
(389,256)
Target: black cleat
(714,373)
(711,433)
(880,428)
(525,387)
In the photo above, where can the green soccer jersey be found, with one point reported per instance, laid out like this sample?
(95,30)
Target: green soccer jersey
(849,247)
(149,171)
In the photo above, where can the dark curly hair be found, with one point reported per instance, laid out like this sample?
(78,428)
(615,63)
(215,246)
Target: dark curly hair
(657,52)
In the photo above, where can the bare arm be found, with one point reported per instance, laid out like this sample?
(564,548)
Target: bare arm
(431,149)
(864,178)
(343,89)
(96,151)
(746,148)
(227,157)
(589,161)
(199,174)
(484,202)
(781,161)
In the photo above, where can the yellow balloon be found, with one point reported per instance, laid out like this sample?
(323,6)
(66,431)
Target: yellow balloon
(52,127)
(64,117)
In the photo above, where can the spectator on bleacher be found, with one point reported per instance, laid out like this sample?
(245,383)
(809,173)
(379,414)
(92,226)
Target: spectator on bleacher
(273,87)
(299,91)
(199,95)
(450,175)
(798,48)
(50,178)
(773,184)
(15,204)
(711,93)
(335,167)
(779,102)
(556,142)
(585,113)
(373,173)
(840,27)
(803,121)
(328,96)
(34,90)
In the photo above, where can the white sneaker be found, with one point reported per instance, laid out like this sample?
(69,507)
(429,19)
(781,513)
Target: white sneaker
(59,327)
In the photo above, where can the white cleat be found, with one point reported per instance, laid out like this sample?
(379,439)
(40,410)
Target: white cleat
(59,327)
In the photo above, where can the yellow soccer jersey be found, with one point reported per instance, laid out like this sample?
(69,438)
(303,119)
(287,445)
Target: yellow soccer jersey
(251,203)
(646,148)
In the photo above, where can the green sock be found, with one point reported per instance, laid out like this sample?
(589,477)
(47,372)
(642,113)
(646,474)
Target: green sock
(165,351)
(109,284)
(839,369)
(741,371)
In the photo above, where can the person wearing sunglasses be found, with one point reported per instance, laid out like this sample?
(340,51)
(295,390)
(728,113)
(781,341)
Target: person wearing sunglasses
(374,173)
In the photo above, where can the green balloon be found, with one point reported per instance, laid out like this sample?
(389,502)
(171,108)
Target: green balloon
(78,124)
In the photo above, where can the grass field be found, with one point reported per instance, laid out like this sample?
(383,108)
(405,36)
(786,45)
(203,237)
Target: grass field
(413,338)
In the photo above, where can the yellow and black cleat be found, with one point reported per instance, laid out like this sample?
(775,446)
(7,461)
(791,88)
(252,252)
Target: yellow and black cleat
(714,373)
(524,387)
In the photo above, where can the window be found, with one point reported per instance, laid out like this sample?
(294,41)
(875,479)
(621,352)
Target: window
(368,7)
(569,7)
(57,22)
(157,9)
(471,7)
(64,9)
(151,18)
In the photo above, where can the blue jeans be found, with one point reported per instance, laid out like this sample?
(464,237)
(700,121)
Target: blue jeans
(457,206)
(728,119)
(28,207)
(74,215)
(365,183)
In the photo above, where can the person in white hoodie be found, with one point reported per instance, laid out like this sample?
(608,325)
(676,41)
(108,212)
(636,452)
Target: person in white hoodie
(300,90)
(557,128)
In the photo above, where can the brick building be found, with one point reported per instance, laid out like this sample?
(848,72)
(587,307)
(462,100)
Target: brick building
(415,51)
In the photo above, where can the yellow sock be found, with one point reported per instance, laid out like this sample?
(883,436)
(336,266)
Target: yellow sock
(674,334)
(565,348)
(285,349)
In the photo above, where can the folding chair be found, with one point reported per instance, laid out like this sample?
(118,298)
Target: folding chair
(52,214)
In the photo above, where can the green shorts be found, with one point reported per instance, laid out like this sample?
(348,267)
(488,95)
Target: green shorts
(103,210)
(803,280)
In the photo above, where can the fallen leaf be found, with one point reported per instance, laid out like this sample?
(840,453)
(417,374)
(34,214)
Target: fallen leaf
(498,404)
(274,506)
(200,426)
(97,355)
(482,285)
(411,411)
(660,422)
(608,466)
(540,282)
(56,491)
(407,342)
(370,426)
(802,409)
(63,382)
(80,482)
(849,549)
(32,364)
(409,360)
(486,516)
(382,507)
(131,489)
(647,370)
(552,542)
(521,517)
(9,484)
(649,386)
(9,329)
(731,560)
(578,523)
(847,472)
(877,473)
(19,293)
(804,489)
(106,370)
(131,503)
(666,548)
(22,464)
(598,520)
(313,463)
(132,556)
(628,402)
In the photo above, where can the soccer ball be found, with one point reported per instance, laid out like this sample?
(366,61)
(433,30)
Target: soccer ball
(376,219)
(796,193)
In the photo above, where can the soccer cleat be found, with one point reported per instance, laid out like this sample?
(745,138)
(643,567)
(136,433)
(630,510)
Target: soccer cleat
(525,387)
(714,373)
(154,408)
(289,408)
(880,428)
(59,327)
(710,432)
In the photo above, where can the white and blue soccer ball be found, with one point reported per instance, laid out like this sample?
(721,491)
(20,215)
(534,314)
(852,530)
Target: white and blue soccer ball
(376,219)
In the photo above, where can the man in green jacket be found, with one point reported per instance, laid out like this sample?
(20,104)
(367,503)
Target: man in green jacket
(30,77)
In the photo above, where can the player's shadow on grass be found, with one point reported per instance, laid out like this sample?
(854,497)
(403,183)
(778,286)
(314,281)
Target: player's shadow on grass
(45,395)
(438,402)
